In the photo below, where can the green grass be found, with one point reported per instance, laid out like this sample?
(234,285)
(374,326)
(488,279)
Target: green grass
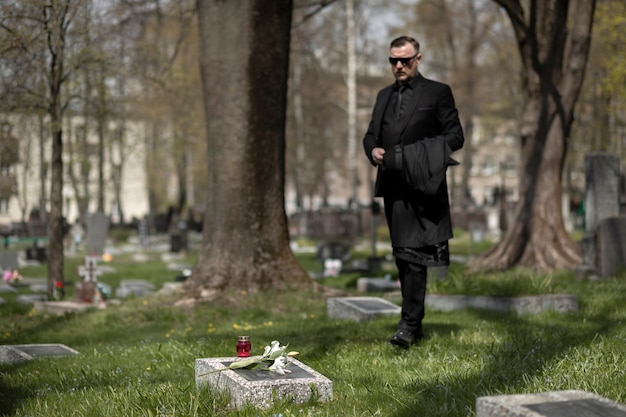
(137,359)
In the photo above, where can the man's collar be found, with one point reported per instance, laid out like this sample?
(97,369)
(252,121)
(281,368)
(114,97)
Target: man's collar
(411,84)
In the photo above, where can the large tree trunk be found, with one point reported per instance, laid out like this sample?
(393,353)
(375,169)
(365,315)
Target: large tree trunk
(244,62)
(552,80)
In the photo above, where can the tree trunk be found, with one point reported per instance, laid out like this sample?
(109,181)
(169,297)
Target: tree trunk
(56,16)
(244,67)
(552,79)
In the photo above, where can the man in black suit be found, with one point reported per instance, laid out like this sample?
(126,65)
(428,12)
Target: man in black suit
(414,129)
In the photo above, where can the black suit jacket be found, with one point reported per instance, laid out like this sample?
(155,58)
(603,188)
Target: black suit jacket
(431,114)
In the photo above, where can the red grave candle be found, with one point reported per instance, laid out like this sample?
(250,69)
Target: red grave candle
(244,346)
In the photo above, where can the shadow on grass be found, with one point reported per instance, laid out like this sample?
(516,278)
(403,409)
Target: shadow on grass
(527,346)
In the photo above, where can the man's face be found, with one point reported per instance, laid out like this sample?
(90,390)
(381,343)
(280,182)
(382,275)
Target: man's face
(405,69)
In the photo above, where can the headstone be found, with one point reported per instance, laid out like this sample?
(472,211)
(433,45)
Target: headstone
(262,388)
(333,250)
(332,267)
(90,271)
(36,253)
(77,233)
(137,288)
(87,289)
(9,260)
(602,186)
(611,246)
(602,179)
(143,233)
(549,404)
(97,229)
(360,309)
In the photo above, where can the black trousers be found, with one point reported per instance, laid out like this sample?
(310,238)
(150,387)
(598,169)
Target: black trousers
(413,286)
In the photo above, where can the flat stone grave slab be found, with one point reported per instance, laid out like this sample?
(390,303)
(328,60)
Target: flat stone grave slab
(521,305)
(28,281)
(13,354)
(134,287)
(47,349)
(38,287)
(360,309)
(62,307)
(260,388)
(171,287)
(31,298)
(107,269)
(549,404)
(6,288)
(140,257)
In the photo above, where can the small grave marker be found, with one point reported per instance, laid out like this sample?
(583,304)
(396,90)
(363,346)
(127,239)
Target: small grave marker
(360,308)
(7,288)
(90,271)
(136,287)
(588,407)
(260,388)
(9,260)
(549,404)
(30,298)
(15,354)
(12,356)
(536,304)
(87,290)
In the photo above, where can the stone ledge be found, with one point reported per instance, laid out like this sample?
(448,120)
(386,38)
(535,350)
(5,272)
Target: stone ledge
(549,404)
(260,388)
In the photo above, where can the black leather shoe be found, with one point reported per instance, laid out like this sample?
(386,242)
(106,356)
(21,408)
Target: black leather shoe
(402,339)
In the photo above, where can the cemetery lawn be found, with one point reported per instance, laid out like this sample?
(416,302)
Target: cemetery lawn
(137,358)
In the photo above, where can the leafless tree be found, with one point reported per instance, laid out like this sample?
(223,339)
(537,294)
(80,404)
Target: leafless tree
(42,37)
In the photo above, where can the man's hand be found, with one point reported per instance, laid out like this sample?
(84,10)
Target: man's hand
(377,155)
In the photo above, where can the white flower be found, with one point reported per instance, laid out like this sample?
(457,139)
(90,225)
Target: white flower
(279,365)
(274,350)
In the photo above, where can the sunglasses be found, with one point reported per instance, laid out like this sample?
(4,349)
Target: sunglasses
(405,61)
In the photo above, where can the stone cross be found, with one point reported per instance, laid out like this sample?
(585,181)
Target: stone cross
(90,271)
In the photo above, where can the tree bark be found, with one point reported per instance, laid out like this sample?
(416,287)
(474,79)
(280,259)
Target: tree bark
(56,16)
(554,59)
(244,60)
